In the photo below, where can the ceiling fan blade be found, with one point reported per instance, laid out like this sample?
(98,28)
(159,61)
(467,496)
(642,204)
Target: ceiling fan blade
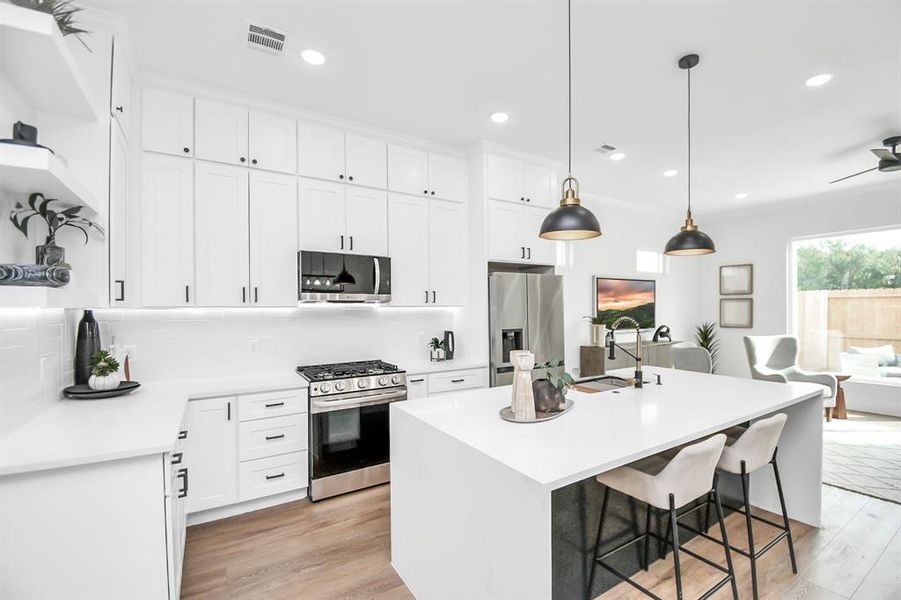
(885,155)
(855,175)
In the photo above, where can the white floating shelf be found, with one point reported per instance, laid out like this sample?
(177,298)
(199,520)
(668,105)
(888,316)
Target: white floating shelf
(26,170)
(38,61)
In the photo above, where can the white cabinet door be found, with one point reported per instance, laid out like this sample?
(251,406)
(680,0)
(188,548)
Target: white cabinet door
(447,177)
(408,170)
(448,243)
(273,239)
(120,92)
(417,385)
(408,247)
(211,453)
(220,132)
(538,185)
(167,122)
(321,216)
(537,250)
(504,241)
(221,235)
(366,160)
(118,220)
(504,179)
(320,152)
(366,221)
(168,231)
(273,143)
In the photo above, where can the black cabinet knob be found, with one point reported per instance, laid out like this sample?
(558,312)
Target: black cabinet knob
(425,191)
(340,176)
(253,161)
(528,199)
(120,108)
(433,193)
(351,178)
(243,159)
(186,150)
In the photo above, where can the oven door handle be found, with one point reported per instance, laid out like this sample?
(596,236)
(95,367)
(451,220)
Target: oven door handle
(361,401)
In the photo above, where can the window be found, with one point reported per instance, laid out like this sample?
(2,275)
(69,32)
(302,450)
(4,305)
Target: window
(651,261)
(847,302)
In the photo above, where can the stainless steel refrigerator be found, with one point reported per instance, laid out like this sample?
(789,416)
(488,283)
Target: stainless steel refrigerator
(525,312)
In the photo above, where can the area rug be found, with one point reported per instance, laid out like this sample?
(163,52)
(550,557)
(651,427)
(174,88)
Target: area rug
(863,454)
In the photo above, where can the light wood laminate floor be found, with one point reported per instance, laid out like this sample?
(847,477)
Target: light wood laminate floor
(339,548)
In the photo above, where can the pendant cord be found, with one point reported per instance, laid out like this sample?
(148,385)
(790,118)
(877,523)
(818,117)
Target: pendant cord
(569,58)
(689,140)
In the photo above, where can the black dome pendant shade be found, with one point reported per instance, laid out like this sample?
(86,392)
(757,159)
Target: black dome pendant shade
(690,241)
(571,220)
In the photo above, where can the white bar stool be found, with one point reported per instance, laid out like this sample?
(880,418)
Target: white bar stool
(749,450)
(689,476)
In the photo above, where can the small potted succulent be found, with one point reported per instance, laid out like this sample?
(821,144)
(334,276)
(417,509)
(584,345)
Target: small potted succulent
(437,349)
(598,330)
(550,390)
(104,371)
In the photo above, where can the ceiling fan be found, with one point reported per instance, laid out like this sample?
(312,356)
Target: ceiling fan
(889,160)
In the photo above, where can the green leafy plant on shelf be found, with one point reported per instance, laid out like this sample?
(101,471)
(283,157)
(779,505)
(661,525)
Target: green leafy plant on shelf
(40,206)
(706,337)
(554,373)
(103,364)
(63,12)
(436,344)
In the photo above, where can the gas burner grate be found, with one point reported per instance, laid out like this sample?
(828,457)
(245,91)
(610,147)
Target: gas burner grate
(345,370)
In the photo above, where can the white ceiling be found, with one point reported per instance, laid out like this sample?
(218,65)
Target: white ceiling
(438,69)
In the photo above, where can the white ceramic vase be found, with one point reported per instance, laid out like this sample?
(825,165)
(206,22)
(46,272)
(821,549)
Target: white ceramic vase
(106,382)
(523,404)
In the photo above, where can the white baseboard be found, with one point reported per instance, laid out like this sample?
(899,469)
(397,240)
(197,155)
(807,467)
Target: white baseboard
(223,512)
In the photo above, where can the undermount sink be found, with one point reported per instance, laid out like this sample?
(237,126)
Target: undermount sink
(604,383)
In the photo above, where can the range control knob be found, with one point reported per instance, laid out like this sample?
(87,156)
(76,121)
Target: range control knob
(383,381)
(325,387)
(363,383)
(395,380)
(340,385)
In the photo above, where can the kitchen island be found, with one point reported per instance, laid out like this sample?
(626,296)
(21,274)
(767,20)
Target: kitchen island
(483,508)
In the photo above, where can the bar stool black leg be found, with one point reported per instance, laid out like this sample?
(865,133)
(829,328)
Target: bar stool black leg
(745,492)
(791,544)
(647,537)
(707,510)
(719,516)
(674,532)
(597,543)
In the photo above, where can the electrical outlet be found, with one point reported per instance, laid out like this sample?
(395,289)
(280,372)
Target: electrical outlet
(254,346)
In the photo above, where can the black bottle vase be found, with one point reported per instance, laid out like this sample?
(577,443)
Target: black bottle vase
(87,343)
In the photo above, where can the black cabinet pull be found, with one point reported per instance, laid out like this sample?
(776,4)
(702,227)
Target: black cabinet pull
(351,242)
(187,295)
(244,293)
(253,161)
(186,149)
(530,253)
(121,296)
(243,159)
(183,474)
(420,380)
(176,458)
(522,249)
(229,414)
(121,109)
(351,178)
(427,296)
(256,295)
(275,437)
(275,476)
(183,434)
(340,176)
(275,404)
(434,297)
(461,380)
(342,242)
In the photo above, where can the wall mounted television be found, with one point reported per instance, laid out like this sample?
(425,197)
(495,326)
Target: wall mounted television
(634,298)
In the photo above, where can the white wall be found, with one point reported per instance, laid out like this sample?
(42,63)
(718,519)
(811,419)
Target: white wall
(762,237)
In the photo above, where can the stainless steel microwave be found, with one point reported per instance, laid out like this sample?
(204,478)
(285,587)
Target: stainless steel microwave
(334,277)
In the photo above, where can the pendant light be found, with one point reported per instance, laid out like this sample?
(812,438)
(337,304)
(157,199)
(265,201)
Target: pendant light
(571,220)
(690,241)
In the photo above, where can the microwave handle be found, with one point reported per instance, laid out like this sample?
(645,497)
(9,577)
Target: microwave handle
(378,275)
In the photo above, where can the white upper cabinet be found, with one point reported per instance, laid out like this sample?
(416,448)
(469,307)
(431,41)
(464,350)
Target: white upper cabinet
(408,247)
(366,161)
(366,225)
(447,178)
(273,239)
(321,152)
(448,244)
(537,250)
(513,234)
(167,122)
(221,235)
(167,203)
(273,143)
(118,220)
(539,185)
(221,132)
(120,90)
(321,216)
(504,179)
(408,170)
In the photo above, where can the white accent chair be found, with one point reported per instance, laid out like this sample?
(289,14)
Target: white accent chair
(691,357)
(775,358)
(689,476)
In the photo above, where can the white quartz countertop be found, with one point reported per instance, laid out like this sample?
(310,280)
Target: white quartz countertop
(607,429)
(147,421)
(422,367)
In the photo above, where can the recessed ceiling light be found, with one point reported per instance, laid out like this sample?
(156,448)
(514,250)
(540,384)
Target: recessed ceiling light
(313,57)
(741,196)
(670,173)
(499,117)
(617,156)
(818,80)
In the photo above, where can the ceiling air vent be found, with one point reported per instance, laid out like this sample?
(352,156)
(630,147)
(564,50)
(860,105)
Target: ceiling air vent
(605,149)
(265,40)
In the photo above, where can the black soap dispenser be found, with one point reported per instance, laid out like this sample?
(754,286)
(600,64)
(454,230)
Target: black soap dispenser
(87,342)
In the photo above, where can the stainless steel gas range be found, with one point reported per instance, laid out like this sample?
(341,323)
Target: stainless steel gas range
(349,443)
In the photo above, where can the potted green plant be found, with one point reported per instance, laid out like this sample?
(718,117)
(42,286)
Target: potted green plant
(104,371)
(49,253)
(437,349)
(550,390)
(598,330)
(706,337)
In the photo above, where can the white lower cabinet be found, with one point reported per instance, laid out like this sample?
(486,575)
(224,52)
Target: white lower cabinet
(273,475)
(452,381)
(211,452)
(275,435)
(417,386)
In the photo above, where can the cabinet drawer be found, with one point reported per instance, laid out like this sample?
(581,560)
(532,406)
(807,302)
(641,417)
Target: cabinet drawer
(267,476)
(271,404)
(417,386)
(455,380)
(268,437)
